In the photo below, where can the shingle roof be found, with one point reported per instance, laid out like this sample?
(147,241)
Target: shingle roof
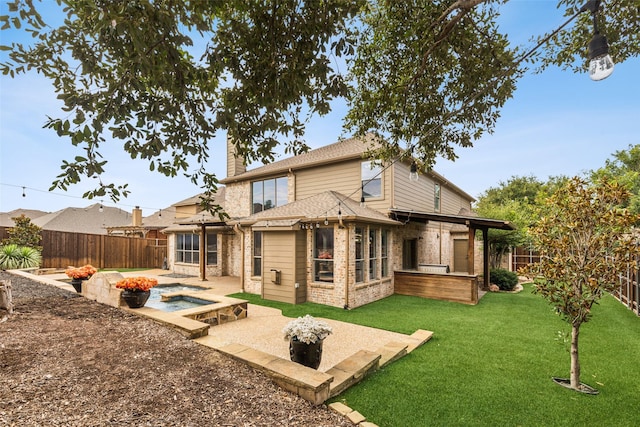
(329,205)
(351,148)
(6,221)
(84,220)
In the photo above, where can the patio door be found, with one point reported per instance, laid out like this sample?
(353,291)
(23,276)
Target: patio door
(410,254)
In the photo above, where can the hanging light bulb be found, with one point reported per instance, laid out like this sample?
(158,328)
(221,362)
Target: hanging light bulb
(101,208)
(600,62)
(23,193)
(326,221)
(413,172)
(160,213)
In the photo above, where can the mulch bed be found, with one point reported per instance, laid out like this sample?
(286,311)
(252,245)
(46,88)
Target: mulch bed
(66,360)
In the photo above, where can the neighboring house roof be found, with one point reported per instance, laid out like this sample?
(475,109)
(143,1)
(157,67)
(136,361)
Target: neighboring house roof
(329,205)
(351,148)
(6,221)
(87,220)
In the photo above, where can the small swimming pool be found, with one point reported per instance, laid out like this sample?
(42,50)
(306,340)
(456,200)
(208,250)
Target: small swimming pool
(179,302)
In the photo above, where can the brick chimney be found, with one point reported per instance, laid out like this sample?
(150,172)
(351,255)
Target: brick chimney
(235,164)
(137,217)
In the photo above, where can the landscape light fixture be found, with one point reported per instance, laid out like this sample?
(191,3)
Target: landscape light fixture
(600,62)
(413,172)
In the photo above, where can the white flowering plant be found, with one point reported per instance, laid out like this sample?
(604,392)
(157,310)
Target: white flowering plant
(306,329)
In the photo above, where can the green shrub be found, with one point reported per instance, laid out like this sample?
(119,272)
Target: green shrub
(505,279)
(14,256)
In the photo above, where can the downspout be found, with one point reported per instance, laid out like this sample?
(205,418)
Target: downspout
(440,245)
(347,264)
(238,228)
(203,252)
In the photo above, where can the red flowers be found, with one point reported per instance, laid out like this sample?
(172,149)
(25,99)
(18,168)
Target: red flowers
(137,283)
(81,272)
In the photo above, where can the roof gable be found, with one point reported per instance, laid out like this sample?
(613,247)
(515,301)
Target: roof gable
(351,148)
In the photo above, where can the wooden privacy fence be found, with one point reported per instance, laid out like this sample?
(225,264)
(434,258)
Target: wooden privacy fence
(523,256)
(628,292)
(62,249)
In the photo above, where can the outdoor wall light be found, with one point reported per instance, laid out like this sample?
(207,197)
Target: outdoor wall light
(600,62)
(413,172)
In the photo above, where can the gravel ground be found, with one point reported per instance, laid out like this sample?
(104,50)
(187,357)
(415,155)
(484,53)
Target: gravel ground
(66,360)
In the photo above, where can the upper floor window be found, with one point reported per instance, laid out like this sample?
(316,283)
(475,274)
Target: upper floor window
(371,176)
(436,198)
(268,194)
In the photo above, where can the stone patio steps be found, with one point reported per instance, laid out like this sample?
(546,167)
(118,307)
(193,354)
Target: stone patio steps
(352,370)
(308,383)
(312,385)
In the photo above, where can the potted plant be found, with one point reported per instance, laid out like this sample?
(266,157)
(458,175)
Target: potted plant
(78,274)
(306,335)
(136,290)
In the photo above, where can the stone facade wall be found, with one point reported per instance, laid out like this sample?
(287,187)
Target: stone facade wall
(237,202)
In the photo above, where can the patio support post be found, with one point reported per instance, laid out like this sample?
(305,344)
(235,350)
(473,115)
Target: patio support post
(485,258)
(470,250)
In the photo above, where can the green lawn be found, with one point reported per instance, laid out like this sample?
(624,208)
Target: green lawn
(492,364)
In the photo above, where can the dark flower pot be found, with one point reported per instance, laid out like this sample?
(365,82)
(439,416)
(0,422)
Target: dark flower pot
(77,284)
(305,354)
(135,299)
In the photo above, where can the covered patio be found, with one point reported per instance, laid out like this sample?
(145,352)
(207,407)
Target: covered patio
(449,286)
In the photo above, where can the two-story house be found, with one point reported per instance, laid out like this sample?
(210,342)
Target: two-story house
(332,227)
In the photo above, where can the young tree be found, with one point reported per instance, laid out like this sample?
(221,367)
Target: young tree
(24,233)
(585,239)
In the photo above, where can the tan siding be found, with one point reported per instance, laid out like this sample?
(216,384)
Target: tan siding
(279,254)
(343,177)
(301,266)
(410,195)
(419,196)
(452,201)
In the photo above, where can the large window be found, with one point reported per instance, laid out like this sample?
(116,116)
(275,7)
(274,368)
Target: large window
(257,253)
(373,259)
(359,255)
(187,248)
(323,255)
(371,175)
(212,249)
(268,194)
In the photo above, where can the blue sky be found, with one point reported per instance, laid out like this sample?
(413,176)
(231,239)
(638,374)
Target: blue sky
(558,123)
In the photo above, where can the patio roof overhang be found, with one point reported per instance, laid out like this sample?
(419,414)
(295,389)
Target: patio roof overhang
(474,223)
(470,221)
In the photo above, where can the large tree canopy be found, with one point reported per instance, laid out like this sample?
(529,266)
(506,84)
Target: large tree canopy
(164,76)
